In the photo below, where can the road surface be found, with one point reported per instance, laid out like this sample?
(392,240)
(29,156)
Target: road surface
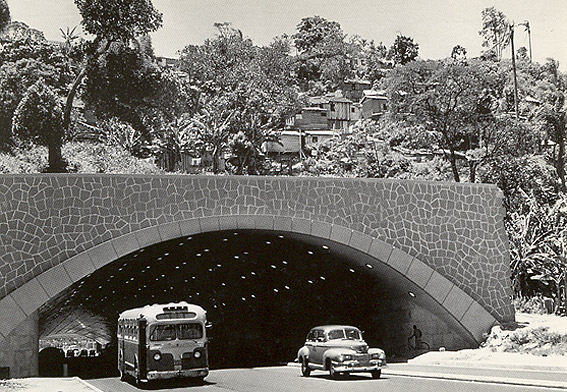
(288,379)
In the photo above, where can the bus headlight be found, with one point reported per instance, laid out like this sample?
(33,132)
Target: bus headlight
(157,357)
(197,354)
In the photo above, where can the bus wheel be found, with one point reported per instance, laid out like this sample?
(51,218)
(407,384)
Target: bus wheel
(122,375)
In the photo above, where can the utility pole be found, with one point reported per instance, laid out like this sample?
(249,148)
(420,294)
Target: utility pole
(514,70)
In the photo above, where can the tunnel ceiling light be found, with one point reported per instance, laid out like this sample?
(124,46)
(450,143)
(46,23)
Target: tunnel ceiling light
(244,299)
(120,269)
(325,247)
(351,270)
(281,236)
(286,287)
(243,277)
(142,250)
(186,280)
(370,266)
(189,238)
(225,239)
(100,287)
(236,256)
(411,294)
(198,255)
(252,273)
(284,262)
(206,250)
(310,252)
(181,243)
(235,233)
(245,252)
(276,291)
(322,278)
(132,278)
(252,295)
(160,258)
(176,267)
(219,265)
(273,266)
(136,255)
(268,243)
(166,254)
(310,281)
(163,275)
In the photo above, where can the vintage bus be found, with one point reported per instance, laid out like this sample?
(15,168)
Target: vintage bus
(163,341)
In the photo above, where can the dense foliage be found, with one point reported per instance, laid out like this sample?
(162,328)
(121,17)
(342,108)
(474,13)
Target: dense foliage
(454,119)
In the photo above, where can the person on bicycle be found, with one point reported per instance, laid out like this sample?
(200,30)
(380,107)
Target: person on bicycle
(417,336)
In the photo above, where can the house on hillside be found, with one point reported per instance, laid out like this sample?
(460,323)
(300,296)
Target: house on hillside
(373,104)
(353,89)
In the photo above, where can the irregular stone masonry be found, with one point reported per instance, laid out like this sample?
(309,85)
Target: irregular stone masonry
(456,229)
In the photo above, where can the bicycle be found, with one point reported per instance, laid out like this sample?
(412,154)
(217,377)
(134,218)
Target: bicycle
(409,351)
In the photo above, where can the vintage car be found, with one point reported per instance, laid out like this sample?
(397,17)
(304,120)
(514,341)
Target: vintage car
(341,350)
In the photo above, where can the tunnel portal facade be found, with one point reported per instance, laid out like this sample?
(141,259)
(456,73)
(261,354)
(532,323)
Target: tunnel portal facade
(443,243)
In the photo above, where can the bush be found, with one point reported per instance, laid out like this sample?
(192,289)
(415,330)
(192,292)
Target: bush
(82,157)
(32,159)
(88,157)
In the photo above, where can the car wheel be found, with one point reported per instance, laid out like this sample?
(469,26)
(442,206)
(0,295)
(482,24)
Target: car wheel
(334,374)
(305,370)
(376,373)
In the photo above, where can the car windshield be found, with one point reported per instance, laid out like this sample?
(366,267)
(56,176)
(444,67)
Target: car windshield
(346,333)
(163,332)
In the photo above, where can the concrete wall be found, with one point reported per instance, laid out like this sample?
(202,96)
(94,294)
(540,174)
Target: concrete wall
(19,351)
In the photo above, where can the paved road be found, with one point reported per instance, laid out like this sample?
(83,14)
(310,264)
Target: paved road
(288,379)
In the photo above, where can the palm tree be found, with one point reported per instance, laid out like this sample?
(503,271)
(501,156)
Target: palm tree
(526,25)
(4,15)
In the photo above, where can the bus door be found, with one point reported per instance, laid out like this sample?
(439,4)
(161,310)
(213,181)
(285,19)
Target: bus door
(142,349)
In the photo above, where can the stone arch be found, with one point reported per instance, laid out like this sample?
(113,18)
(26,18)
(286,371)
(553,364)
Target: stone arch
(410,271)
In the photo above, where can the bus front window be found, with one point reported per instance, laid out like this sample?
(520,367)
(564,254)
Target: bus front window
(190,331)
(163,332)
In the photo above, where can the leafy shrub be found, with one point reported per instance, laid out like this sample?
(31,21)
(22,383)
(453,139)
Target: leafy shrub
(88,157)
(31,159)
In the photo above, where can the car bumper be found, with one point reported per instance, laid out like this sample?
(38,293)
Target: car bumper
(163,375)
(354,366)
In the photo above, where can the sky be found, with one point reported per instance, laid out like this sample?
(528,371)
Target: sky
(436,25)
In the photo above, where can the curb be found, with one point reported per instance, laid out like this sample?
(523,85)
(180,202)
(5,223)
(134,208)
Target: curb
(480,379)
(489,365)
(86,384)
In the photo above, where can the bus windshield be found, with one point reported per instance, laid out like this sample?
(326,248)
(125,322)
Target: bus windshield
(162,332)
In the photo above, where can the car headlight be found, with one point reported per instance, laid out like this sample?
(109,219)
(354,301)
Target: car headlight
(380,355)
(157,357)
(197,354)
(345,357)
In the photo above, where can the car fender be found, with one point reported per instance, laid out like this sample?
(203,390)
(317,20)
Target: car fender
(376,351)
(333,353)
(303,352)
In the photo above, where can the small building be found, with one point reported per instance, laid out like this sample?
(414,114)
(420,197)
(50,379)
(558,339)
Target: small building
(340,113)
(353,89)
(374,104)
(308,118)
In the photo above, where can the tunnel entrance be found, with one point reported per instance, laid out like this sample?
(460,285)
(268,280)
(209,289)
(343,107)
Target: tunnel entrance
(263,291)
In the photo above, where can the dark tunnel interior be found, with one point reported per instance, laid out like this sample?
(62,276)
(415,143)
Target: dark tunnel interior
(263,291)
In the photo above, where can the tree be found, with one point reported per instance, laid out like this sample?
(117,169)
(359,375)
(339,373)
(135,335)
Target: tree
(527,28)
(116,21)
(495,31)
(449,101)
(4,15)
(553,116)
(403,50)
(240,89)
(24,60)
(323,53)
(38,119)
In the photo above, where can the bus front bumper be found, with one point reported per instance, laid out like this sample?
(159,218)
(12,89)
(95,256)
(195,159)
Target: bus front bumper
(168,374)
